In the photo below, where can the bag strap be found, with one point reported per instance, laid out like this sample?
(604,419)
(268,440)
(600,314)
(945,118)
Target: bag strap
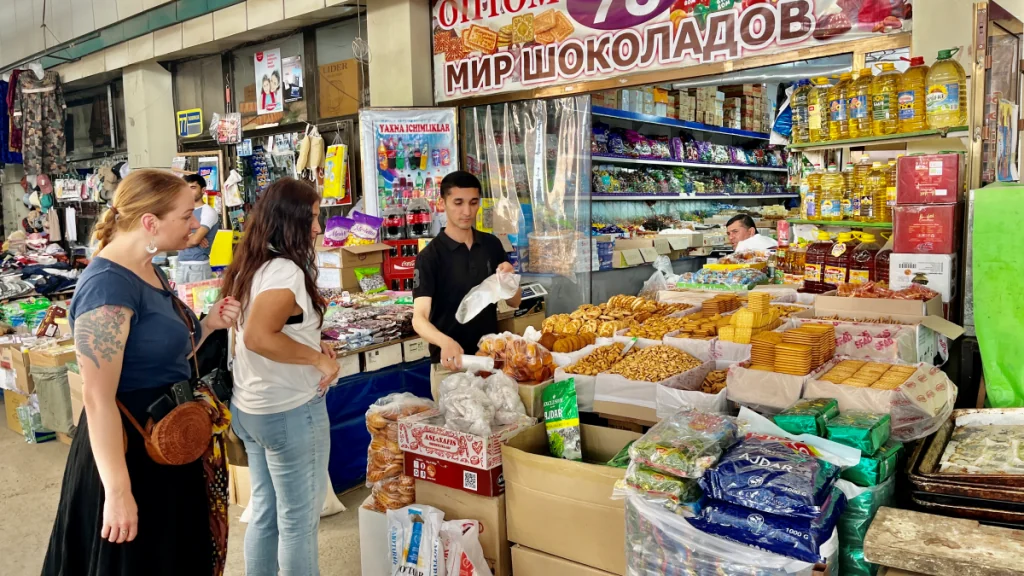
(132,419)
(180,308)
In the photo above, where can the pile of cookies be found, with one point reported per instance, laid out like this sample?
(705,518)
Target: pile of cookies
(762,350)
(384,459)
(820,337)
(797,352)
(721,304)
(521,359)
(604,320)
(702,326)
(657,327)
(793,359)
(654,364)
(759,302)
(745,323)
(714,382)
(863,374)
(599,360)
(566,344)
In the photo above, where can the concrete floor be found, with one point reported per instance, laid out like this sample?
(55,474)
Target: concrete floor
(30,477)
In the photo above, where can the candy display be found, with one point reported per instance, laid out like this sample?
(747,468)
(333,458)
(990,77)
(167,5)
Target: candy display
(685,444)
(859,429)
(370,279)
(769,475)
(608,141)
(984,450)
(671,181)
(808,416)
(600,360)
(353,327)
(877,468)
(364,229)
(654,364)
(562,420)
(521,359)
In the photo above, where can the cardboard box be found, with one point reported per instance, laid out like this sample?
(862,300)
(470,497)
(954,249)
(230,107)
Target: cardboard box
(473,480)
(52,357)
(936,271)
(373,541)
(626,258)
(12,400)
(929,178)
(14,358)
(519,324)
(77,400)
(240,485)
(415,349)
(382,357)
(348,365)
(926,228)
(563,508)
(883,306)
(532,396)
(529,562)
(488,510)
(425,434)
(642,415)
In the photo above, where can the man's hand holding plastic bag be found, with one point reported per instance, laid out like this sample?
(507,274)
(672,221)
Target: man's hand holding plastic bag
(501,285)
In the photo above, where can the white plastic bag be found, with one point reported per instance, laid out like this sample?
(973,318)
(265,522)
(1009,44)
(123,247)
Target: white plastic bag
(503,392)
(832,452)
(414,541)
(497,286)
(654,284)
(463,555)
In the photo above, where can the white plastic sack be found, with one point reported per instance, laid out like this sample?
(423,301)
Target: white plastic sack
(503,392)
(414,541)
(832,452)
(463,555)
(497,286)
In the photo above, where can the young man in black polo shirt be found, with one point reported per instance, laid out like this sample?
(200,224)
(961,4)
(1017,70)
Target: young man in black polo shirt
(447,269)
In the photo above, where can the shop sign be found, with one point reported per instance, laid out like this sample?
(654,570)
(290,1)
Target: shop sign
(492,46)
(190,123)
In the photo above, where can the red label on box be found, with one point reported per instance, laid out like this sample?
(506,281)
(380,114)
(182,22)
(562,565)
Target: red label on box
(425,434)
(452,475)
(926,229)
(929,179)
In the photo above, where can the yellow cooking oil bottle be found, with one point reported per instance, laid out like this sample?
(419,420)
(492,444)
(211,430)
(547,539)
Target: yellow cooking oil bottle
(873,199)
(832,185)
(848,181)
(912,96)
(860,182)
(858,107)
(810,195)
(838,118)
(801,91)
(885,89)
(947,92)
(817,109)
(890,191)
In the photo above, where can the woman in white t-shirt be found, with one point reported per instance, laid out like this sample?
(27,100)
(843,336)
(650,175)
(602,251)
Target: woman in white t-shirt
(281,373)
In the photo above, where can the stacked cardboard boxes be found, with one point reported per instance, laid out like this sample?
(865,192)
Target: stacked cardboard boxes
(746,107)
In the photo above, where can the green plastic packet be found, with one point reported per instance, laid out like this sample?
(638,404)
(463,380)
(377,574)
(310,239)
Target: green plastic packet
(658,486)
(370,279)
(861,506)
(562,420)
(877,468)
(864,430)
(808,416)
(621,460)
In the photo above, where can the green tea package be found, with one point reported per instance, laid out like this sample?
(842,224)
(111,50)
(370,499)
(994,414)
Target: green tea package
(562,420)
(621,460)
(808,416)
(877,468)
(861,506)
(864,430)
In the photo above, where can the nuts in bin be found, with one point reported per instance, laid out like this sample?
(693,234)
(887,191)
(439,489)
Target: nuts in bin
(599,360)
(655,364)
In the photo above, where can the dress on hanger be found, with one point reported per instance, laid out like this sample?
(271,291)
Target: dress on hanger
(15,138)
(39,111)
(7,154)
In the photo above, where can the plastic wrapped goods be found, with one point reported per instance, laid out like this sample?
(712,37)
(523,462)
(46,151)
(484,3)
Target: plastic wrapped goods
(770,476)
(864,430)
(808,416)
(861,506)
(685,444)
(877,468)
(414,541)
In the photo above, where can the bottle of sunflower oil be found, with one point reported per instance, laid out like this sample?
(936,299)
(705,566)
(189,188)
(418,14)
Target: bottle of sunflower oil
(858,107)
(890,191)
(817,109)
(860,180)
(832,185)
(885,89)
(848,180)
(801,91)
(912,97)
(811,195)
(947,92)
(838,98)
(873,200)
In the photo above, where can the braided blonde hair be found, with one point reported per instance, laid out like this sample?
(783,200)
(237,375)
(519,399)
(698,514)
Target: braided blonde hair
(146,191)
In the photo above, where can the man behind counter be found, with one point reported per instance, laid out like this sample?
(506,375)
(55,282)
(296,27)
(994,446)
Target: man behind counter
(447,269)
(743,235)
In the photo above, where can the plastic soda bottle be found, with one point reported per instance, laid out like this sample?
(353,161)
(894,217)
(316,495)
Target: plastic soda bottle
(912,96)
(859,106)
(838,119)
(885,90)
(947,92)
(817,109)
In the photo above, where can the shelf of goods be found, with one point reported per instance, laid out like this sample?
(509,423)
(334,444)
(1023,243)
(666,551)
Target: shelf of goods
(663,162)
(652,197)
(650,119)
(956,132)
(847,223)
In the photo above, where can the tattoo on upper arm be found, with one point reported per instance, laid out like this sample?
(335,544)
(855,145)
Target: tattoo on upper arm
(97,333)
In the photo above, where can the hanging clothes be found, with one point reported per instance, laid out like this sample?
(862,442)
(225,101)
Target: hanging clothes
(7,156)
(39,111)
(14,145)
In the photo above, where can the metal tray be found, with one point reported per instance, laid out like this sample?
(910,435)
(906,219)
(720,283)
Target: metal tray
(986,515)
(994,505)
(926,458)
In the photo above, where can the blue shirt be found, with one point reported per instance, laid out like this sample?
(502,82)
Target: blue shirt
(198,253)
(156,352)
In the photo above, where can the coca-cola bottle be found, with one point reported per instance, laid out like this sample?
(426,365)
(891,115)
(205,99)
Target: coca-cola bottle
(417,219)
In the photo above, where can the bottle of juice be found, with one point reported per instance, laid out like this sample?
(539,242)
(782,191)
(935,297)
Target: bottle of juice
(838,96)
(885,89)
(860,179)
(862,260)
(859,106)
(832,186)
(814,265)
(947,92)
(847,210)
(912,96)
(890,191)
(817,109)
(873,197)
(837,262)
(801,91)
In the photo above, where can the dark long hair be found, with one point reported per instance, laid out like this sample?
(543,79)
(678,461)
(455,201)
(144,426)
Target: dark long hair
(279,226)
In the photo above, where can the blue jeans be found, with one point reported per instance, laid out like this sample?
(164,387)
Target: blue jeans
(288,455)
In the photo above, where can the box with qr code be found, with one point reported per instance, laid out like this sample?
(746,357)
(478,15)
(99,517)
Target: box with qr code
(474,480)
